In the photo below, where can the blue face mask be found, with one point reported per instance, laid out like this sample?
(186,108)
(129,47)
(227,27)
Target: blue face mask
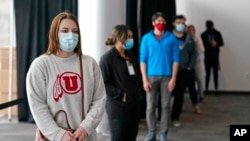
(128,44)
(180,27)
(68,41)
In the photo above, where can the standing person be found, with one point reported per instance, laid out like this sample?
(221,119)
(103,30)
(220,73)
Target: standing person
(159,57)
(212,41)
(186,72)
(122,80)
(65,88)
(198,64)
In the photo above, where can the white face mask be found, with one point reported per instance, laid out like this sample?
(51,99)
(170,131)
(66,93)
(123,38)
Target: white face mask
(68,41)
(180,27)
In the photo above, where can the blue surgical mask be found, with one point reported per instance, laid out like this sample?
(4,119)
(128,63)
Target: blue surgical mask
(180,27)
(128,44)
(68,41)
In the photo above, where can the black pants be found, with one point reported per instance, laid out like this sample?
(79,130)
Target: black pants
(185,78)
(123,120)
(211,62)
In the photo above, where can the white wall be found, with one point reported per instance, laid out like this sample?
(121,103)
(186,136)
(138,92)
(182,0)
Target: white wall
(97,18)
(231,17)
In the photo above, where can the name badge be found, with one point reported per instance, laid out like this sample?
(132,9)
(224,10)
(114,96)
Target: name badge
(130,68)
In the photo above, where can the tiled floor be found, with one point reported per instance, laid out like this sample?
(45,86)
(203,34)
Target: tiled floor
(218,112)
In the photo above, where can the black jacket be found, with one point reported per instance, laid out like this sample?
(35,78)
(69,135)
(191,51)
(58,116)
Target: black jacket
(206,38)
(117,78)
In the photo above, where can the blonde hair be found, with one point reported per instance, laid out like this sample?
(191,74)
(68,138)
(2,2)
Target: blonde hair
(53,33)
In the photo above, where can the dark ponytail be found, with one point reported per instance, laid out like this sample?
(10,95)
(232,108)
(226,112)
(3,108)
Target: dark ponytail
(110,42)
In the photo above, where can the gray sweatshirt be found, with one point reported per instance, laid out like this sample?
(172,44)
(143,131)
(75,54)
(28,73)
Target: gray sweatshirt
(54,83)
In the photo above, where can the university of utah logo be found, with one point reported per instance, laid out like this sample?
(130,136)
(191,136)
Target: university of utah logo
(68,82)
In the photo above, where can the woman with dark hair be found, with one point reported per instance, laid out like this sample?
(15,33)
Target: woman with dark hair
(122,81)
(65,89)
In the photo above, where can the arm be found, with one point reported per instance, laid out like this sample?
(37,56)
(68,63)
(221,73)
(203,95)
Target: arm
(193,55)
(112,91)
(143,59)
(143,65)
(139,78)
(175,70)
(172,81)
(220,40)
(37,98)
(96,109)
(199,44)
(205,42)
(146,84)
(175,66)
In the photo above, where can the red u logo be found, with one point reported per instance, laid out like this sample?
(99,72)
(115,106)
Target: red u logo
(70,83)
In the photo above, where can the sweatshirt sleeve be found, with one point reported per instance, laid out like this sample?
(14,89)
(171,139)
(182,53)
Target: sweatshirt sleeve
(94,115)
(36,93)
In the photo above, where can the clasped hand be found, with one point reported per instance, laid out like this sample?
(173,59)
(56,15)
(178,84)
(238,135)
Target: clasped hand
(79,135)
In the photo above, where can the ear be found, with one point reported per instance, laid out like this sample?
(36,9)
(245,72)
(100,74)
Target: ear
(173,23)
(153,23)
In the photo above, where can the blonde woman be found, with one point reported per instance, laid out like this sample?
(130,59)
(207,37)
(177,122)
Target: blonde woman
(198,65)
(65,89)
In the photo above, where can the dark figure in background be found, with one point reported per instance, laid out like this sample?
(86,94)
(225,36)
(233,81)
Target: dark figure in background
(123,84)
(212,41)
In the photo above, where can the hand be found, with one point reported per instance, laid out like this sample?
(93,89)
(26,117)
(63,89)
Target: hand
(124,98)
(147,86)
(171,85)
(68,136)
(80,134)
(213,43)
